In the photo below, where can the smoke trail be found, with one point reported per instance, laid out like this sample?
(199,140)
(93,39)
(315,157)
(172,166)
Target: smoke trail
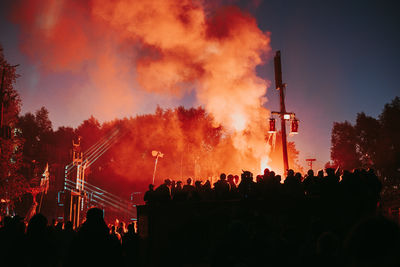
(164,47)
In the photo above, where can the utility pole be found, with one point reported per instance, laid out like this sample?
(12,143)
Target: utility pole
(156,154)
(310,162)
(283,115)
(281,87)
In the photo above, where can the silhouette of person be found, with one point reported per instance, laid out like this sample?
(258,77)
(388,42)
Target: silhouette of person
(246,187)
(13,242)
(207,192)
(131,247)
(93,245)
(39,239)
(221,187)
(292,185)
(311,184)
(149,196)
(179,195)
(188,189)
(197,191)
(373,242)
(163,192)
(330,183)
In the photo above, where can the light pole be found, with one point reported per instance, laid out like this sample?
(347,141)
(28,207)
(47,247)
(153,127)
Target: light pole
(283,115)
(156,154)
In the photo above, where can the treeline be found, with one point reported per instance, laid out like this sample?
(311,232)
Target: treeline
(370,143)
(191,144)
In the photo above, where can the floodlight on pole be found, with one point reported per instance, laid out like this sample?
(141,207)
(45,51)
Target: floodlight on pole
(156,154)
(272,127)
(294,126)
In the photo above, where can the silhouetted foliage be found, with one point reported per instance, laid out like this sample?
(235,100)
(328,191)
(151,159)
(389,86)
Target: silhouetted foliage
(344,146)
(370,143)
(12,184)
(37,132)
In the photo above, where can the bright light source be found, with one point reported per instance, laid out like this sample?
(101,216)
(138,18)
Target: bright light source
(286,116)
(156,153)
(272,128)
(294,127)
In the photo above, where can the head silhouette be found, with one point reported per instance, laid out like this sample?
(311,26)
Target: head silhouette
(94,216)
(37,224)
(68,226)
(374,242)
(131,228)
(247,176)
(222,176)
(330,171)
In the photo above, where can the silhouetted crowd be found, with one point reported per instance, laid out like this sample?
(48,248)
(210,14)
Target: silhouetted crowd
(328,219)
(316,220)
(362,184)
(92,244)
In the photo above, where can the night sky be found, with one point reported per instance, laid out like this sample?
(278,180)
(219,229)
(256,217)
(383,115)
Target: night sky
(338,58)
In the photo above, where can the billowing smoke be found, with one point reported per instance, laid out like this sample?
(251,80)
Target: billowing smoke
(131,50)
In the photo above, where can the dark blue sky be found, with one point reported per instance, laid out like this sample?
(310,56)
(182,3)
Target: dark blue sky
(338,58)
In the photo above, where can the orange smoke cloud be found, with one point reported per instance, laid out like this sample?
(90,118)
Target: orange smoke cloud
(64,36)
(165,47)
